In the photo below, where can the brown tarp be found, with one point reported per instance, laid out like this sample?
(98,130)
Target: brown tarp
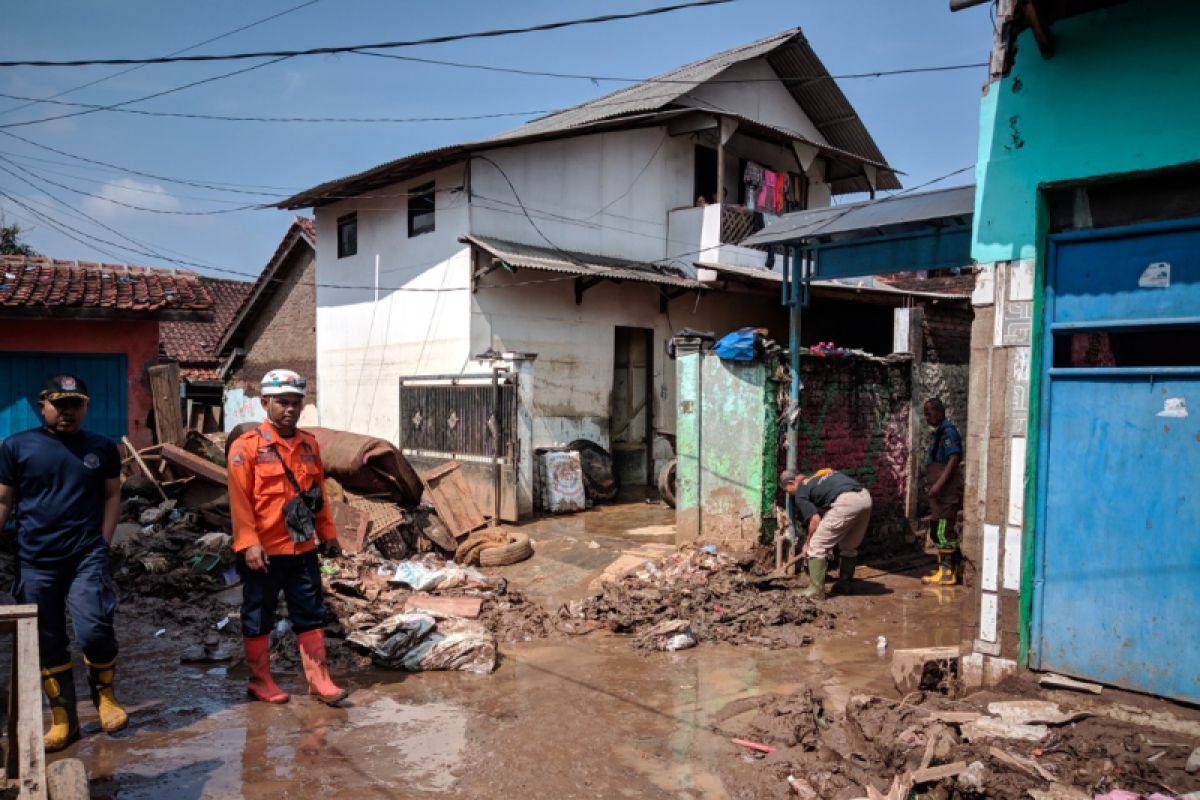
(368,465)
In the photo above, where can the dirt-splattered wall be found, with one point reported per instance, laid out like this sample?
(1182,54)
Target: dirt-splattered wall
(854,417)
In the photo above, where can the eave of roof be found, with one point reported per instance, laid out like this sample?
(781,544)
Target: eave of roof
(525,256)
(788,53)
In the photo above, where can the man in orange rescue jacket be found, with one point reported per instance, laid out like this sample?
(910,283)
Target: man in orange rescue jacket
(279,516)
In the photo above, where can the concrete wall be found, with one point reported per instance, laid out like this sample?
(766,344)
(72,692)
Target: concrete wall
(762,98)
(606,194)
(854,417)
(1096,108)
(406,311)
(573,373)
(137,339)
(282,336)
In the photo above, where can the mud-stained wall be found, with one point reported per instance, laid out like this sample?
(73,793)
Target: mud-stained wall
(854,418)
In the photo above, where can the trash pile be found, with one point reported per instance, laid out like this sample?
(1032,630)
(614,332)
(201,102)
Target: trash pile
(396,597)
(933,747)
(700,595)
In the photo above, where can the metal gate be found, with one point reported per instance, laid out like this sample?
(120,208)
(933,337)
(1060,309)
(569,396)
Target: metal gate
(471,419)
(1117,559)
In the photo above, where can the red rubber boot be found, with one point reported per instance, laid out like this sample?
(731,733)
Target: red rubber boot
(316,668)
(258,656)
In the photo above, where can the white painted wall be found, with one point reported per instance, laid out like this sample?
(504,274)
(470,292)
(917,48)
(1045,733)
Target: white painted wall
(364,346)
(605,194)
(762,98)
(573,373)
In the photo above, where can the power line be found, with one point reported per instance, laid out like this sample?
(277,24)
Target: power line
(621,79)
(118,106)
(34,101)
(315,51)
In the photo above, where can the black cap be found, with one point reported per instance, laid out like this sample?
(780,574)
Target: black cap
(61,387)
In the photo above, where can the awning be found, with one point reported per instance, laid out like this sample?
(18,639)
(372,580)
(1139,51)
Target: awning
(585,265)
(923,209)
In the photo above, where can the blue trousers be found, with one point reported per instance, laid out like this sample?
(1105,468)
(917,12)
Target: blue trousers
(300,579)
(83,585)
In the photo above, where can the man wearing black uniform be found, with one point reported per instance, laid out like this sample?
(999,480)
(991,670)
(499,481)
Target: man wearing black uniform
(833,510)
(64,485)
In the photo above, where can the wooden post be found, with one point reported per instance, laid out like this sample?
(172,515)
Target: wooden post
(27,756)
(164,385)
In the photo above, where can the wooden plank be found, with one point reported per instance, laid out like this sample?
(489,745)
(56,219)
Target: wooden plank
(352,525)
(931,774)
(1052,681)
(168,416)
(18,612)
(195,464)
(453,499)
(31,755)
(448,606)
(142,465)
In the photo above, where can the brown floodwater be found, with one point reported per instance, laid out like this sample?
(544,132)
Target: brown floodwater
(582,717)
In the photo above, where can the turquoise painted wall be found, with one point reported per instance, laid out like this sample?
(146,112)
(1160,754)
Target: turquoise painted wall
(1121,94)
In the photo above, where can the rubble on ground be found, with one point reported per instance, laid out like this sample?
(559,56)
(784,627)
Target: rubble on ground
(176,575)
(934,747)
(720,598)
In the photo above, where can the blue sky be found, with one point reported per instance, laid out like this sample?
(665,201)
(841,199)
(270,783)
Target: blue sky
(926,125)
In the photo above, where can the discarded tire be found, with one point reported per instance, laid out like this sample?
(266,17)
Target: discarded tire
(66,779)
(518,549)
(666,482)
(599,480)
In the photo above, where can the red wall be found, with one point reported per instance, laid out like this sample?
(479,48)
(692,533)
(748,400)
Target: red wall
(138,340)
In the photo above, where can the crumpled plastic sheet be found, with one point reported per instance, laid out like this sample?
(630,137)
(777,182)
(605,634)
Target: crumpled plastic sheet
(415,642)
(433,573)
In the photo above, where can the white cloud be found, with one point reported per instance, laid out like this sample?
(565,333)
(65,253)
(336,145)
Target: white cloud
(110,196)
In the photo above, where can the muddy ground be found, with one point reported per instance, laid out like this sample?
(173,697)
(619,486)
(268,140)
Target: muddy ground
(563,716)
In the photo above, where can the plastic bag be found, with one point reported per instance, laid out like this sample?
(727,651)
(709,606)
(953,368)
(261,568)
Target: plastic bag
(459,646)
(741,345)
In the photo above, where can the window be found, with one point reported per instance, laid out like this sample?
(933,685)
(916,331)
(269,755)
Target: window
(420,210)
(347,236)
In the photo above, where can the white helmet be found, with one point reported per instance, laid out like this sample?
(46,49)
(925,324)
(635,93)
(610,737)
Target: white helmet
(282,381)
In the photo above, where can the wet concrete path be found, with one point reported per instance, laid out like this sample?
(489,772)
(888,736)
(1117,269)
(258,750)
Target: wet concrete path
(568,718)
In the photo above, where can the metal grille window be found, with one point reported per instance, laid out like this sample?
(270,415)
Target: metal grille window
(347,235)
(420,209)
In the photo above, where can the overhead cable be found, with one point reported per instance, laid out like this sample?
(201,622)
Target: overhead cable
(35,100)
(317,51)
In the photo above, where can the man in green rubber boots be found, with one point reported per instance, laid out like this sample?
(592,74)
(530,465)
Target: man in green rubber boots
(833,510)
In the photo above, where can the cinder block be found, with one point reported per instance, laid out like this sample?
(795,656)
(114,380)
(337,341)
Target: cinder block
(924,667)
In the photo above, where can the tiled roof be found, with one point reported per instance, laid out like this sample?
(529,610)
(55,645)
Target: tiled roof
(194,344)
(35,286)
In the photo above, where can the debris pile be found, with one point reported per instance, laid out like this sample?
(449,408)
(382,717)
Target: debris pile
(933,747)
(704,595)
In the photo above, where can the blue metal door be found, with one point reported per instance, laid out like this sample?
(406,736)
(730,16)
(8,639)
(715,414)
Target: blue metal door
(21,377)
(1117,570)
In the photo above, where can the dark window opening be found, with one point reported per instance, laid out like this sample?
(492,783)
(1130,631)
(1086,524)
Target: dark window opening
(1160,347)
(420,209)
(347,235)
(705,184)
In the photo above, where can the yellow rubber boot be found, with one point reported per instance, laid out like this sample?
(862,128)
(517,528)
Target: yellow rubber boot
(100,677)
(59,685)
(949,569)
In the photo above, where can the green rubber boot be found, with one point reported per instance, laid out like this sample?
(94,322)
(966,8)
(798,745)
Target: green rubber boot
(816,578)
(845,578)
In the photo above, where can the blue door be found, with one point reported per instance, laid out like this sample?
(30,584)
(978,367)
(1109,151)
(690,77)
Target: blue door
(21,377)
(1116,592)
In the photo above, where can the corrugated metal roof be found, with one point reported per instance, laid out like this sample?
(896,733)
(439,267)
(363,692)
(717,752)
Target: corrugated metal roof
(958,201)
(584,264)
(788,53)
(864,284)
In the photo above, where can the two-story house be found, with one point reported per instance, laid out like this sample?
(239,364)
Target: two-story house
(575,237)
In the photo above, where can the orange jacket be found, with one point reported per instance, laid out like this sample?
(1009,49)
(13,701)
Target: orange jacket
(259,489)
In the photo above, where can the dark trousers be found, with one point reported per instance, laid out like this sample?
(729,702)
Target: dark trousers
(300,579)
(83,585)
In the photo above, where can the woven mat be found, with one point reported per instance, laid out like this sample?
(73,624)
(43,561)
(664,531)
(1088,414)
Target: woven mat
(384,514)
